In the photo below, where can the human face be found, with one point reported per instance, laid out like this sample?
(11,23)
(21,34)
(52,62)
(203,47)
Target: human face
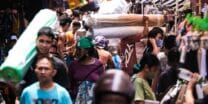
(113,99)
(158,36)
(159,40)
(43,43)
(53,51)
(44,70)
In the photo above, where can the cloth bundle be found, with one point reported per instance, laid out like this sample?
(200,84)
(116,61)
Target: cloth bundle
(21,55)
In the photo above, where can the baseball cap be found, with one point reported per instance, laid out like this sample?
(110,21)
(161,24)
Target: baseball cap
(101,41)
(85,42)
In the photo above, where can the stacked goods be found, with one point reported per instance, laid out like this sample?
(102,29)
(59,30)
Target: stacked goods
(122,25)
(120,32)
(119,20)
(21,55)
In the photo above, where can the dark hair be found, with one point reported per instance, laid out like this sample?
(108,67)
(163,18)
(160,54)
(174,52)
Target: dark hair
(76,24)
(48,57)
(46,31)
(170,42)
(149,60)
(64,20)
(92,52)
(76,13)
(187,11)
(173,56)
(153,33)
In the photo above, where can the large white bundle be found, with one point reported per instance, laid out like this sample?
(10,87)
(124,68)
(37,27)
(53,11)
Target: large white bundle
(118,20)
(119,32)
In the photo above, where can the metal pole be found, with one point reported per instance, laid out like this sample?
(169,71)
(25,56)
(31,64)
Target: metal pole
(143,8)
(176,16)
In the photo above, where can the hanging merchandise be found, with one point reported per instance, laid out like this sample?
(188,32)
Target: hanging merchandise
(76,3)
(23,52)
(200,24)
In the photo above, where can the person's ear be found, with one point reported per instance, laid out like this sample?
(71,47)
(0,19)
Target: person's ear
(35,70)
(54,72)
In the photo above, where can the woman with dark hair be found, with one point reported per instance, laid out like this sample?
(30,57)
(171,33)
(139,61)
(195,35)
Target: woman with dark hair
(84,71)
(149,66)
(155,41)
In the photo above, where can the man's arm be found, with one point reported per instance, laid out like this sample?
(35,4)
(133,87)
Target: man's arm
(189,98)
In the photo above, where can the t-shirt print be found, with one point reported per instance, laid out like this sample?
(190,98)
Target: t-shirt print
(45,101)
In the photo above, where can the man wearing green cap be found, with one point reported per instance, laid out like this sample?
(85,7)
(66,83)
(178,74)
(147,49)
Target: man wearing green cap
(86,69)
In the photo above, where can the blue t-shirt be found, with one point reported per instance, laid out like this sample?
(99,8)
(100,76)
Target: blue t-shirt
(117,61)
(34,95)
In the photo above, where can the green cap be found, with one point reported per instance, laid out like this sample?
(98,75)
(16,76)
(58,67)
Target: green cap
(85,43)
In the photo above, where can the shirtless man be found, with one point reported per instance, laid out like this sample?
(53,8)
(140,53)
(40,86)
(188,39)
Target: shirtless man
(104,56)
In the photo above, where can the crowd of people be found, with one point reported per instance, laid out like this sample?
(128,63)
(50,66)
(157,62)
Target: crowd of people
(74,67)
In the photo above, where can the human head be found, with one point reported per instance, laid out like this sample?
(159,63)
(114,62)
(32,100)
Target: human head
(173,57)
(187,11)
(114,87)
(44,40)
(113,50)
(75,26)
(85,48)
(53,50)
(149,64)
(157,34)
(45,69)
(76,14)
(7,91)
(101,41)
(65,22)
(169,42)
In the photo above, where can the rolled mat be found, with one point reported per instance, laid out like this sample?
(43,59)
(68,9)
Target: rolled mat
(21,55)
(120,32)
(115,20)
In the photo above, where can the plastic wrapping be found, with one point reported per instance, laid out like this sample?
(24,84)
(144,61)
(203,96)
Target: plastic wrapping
(119,20)
(21,55)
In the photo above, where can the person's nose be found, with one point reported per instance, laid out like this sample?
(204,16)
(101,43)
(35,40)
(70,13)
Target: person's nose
(43,71)
(44,44)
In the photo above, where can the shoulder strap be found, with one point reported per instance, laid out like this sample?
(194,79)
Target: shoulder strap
(95,69)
